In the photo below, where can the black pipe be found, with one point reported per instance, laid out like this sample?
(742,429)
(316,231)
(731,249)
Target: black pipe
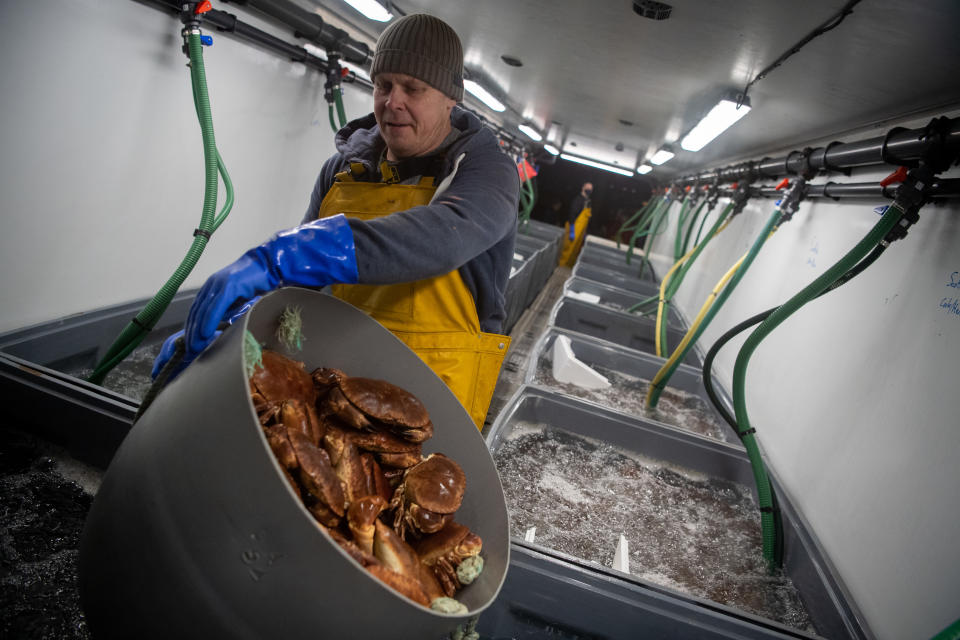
(898,147)
(228,22)
(941,188)
(310,26)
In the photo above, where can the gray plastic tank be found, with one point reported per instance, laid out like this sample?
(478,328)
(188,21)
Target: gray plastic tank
(196,534)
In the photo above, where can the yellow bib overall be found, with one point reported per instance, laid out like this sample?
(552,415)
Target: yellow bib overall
(435,317)
(570,250)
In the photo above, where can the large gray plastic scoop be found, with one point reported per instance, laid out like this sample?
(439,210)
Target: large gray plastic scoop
(195,533)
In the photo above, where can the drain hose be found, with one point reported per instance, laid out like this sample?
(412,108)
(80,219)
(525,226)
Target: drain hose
(678,239)
(140,326)
(657,221)
(709,309)
(757,319)
(693,223)
(670,284)
(784,311)
(341,113)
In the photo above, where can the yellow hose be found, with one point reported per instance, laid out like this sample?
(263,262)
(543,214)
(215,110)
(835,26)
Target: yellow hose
(681,348)
(663,288)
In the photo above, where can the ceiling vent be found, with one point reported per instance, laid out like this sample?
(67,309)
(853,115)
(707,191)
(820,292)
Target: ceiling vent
(652,9)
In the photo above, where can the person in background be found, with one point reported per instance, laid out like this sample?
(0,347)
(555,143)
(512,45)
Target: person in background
(413,220)
(580,202)
(578,217)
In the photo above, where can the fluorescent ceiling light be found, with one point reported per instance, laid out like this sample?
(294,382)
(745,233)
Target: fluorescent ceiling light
(552,150)
(662,155)
(720,118)
(594,163)
(531,132)
(371,9)
(644,168)
(483,95)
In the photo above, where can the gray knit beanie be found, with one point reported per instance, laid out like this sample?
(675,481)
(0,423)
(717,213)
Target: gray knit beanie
(424,47)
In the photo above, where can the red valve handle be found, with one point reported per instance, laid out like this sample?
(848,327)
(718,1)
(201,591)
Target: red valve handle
(686,189)
(783,183)
(735,185)
(897,176)
(203,7)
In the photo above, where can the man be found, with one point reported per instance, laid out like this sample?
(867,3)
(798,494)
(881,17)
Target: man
(413,220)
(578,217)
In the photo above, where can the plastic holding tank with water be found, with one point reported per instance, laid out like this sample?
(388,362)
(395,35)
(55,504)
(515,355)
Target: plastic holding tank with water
(195,532)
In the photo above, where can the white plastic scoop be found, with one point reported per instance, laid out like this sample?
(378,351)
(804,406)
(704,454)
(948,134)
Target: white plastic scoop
(566,367)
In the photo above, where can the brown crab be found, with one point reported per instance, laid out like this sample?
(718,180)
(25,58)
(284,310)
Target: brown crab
(359,473)
(401,560)
(443,551)
(428,496)
(318,478)
(282,385)
(389,449)
(365,403)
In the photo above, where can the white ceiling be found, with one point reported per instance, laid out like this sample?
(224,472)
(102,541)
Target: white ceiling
(589,65)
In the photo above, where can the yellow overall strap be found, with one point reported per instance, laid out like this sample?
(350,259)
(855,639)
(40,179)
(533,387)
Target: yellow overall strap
(435,317)
(570,250)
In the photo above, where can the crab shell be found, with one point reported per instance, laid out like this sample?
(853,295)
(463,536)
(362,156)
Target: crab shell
(317,476)
(365,402)
(278,379)
(444,550)
(429,495)
(359,473)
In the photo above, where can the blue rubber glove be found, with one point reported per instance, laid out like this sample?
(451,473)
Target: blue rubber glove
(572,232)
(315,254)
(169,347)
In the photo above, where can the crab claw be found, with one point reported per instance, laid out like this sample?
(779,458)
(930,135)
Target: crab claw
(400,558)
(361,516)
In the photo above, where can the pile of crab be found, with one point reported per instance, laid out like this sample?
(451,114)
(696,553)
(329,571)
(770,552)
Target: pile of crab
(351,448)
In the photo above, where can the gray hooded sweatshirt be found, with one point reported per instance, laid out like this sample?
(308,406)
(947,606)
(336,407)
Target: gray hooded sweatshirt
(470,226)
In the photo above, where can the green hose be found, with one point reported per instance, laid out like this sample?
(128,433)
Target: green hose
(140,326)
(341,112)
(693,222)
(678,277)
(657,222)
(757,319)
(675,281)
(952,632)
(337,103)
(700,229)
(678,239)
(333,123)
(642,227)
(639,216)
(811,291)
(768,228)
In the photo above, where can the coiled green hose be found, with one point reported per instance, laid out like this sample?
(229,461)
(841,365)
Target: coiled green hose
(140,326)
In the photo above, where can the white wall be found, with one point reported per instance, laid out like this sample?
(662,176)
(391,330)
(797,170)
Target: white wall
(102,178)
(855,397)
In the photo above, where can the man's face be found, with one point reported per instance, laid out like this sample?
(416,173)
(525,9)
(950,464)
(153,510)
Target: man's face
(414,117)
